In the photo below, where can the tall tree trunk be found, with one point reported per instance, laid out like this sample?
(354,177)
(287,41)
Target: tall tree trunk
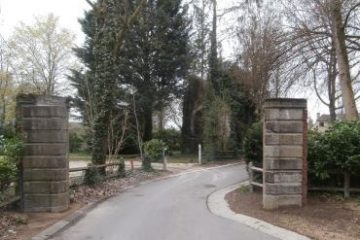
(148,122)
(351,112)
(332,73)
(213,58)
(161,119)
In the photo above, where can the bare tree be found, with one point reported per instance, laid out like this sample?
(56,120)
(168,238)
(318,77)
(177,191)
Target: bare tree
(8,89)
(263,55)
(338,29)
(323,36)
(43,53)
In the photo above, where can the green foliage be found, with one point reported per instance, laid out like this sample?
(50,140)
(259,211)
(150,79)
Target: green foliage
(337,149)
(146,164)
(92,175)
(253,144)
(8,173)
(171,138)
(217,118)
(12,148)
(154,148)
(11,151)
(75,142)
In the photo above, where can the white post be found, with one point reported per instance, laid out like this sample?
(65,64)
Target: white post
(164,160)
(200,160)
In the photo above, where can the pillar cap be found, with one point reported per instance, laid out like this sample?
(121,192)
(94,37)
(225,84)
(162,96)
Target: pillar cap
(42,100)
(285,103)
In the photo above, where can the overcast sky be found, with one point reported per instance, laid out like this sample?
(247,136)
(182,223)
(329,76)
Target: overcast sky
(69,11)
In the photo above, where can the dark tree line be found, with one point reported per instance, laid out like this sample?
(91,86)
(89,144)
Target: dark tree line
(131,47)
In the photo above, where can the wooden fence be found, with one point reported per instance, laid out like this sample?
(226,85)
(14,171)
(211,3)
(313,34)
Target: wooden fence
(77,175)
(346,189)
(252,169)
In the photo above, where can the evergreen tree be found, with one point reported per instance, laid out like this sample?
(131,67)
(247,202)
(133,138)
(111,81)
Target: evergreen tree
(155,59)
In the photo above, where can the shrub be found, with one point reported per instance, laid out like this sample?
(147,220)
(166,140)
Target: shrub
(75,142)
(154,149)
(11,151)
(253,144)
(8,173)
(12,148)
(171,137)
(92,175)
(337,149)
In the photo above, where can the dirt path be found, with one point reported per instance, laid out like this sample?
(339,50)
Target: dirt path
(325,217)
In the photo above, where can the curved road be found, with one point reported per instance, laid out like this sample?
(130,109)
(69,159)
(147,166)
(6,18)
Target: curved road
(169,209)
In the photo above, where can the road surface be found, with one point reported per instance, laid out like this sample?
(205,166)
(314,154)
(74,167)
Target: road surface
(169,209)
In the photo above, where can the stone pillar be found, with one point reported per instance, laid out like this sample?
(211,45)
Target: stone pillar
(285,152)
(43,121)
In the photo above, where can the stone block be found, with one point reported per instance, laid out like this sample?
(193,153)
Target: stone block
(44,111)
(44,124)
(282,188)
(45,175)
(45,162)
(58,149)
(283,139)
(46,187)
(47,136)
(46,202)
(271,202)
(283,176)
(283,163)
(289,103)
(283,151)
(284,127)
(283,114)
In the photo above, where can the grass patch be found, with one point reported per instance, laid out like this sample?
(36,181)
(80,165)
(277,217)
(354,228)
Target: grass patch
(244,189)
(183,158)
(80,157)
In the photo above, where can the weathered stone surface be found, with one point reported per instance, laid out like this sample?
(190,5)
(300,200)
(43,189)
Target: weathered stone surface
(290,103)
(46,187)
(283,156)
(283,114)
(275,201)
(43,121)
(283,139)
(283,163)
(47,136)
(283,188)
(45,174)
(283,177)
(284,127)
(56,162)
(46,202)
(44,124)
(44,111)
(58,149)
(283,151)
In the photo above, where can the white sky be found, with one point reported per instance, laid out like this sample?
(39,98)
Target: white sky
(69,11)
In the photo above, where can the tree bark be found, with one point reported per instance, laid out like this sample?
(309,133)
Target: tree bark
(148,122)
(351,112)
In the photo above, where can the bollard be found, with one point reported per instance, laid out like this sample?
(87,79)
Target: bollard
(164,160)
(132,164)
(200,160)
